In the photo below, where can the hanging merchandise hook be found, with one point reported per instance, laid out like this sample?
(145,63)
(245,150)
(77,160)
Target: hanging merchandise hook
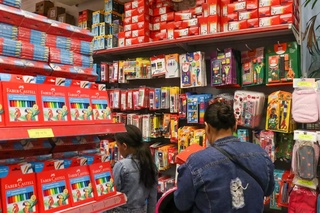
(218,50)
(248,47)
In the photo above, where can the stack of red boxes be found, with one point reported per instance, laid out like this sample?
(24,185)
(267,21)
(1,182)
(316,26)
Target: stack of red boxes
(260,13)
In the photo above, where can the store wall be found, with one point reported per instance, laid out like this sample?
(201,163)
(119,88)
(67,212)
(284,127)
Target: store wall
(93,5)
(310,54)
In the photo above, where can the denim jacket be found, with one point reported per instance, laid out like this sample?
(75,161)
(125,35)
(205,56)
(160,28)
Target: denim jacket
(210,183)
(127,180)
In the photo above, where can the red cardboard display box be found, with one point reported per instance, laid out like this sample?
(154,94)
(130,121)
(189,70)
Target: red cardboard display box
(269,21)
(264,12)
(100,103)
(80,185)
(102,180)
(80,105)
(182,157)
(264,3)
(214,24)
(18,188)
(54,100)
(248,14)
(21,99)
(53,190)
(282,9)
(252,23)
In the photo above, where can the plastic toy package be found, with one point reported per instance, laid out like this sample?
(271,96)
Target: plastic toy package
(253,67)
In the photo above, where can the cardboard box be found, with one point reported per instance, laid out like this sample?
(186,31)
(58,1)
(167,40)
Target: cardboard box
(54,190)
(127,20)
(158,36)
(102,180)
(287,19)
(238,25)
(80,184)
(233,16)
(252,4)
(264,11)
(190,23)
(121,40)
(237,7)
(265,3)
(43,7)
(140,18)
(141,39)
(66,18)
(55,11)
(193,31)
(139,3)
(282,9)
(269,21)
(224,7)
(100,103)
(161,11)
(155,19)
(181,33)
(22,101)
(214,24)
(128,6)
(86,15)
(182,157)
(18,188)
(203,28)
(252,14)
(53,100)
(214,7)
(252,23)
(180,16)
(167,17)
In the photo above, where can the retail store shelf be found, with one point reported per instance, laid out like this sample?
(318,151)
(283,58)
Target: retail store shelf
(15,133)
(188,43)
(99,206)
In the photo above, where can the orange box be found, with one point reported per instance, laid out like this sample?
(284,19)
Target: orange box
(193,31)
(264,11)
(237,6)
(252,14)
(233,16)
(238,25)
(181,33)
(282,9)
(252,4)
(286,18)
(224,24)
(265,3)
(252,23)
(102,180)
(203,22)
(269,21)
(167,17)
(214,24)
(190,23)
(224,7)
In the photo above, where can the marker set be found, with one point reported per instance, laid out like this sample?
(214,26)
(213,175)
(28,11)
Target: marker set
(53,191)
(100,103)
(19,197)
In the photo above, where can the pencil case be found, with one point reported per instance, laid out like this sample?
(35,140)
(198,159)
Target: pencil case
(305,106)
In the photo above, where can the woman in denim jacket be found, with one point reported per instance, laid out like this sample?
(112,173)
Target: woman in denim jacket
(136,175)
(210,182)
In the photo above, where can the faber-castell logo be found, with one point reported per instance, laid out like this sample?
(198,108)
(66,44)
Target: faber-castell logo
(52,178)
(21,91)
(19,184)
(78,94)
(52,93)
(78,174)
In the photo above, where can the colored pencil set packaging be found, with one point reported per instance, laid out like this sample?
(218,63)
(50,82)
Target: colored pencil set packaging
(53,100)
(22,103)
(100,103)
(18,188)
(79,99)
(102,178)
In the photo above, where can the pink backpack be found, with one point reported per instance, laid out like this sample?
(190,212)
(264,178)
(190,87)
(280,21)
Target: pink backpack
(305,106)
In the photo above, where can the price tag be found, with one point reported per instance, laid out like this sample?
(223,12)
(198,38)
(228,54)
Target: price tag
(305,182)
(40,133)
(305,137)
(304,84)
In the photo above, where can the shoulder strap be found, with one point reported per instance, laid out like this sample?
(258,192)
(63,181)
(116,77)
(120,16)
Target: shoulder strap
(240,165)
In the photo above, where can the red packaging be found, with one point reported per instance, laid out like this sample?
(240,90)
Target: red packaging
(11,65)
(252,4)
(282,9)
(252,23)
(1,107)
(183,105)
(224,24)
(57,56)
(143,25)
(181,33)
(139,18)
(203,22)
(180,16)
(224,7)
(102,180)
(183,156)
(121,39)
(172,153)
(63,71)
(127,20)
(22,101)
(156,19)
(252,14)
(35,21)
(54,100)
(140,3)
(214,7)
(127,6)
(238,25)
(198,11)
(233,16)
(28,51)
(193,31)
(80,105)
(128,34)
(143,32)
(237,7)
(129,100)
(214,24)
(17,180)
(53,190)
(130,13)
(264,12)
(286,18)
(161,11)
(156,27)
(163,26)
(80,185)
(269,21)
(158,36)
(190,23)
(142,39)
(100,103)
(200,2)
(265,3)
(11,15)
(124,95)
(205,10)
(167,17)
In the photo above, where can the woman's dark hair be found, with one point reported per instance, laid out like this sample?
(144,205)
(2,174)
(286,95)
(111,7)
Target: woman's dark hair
(147,168)
(220,116)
